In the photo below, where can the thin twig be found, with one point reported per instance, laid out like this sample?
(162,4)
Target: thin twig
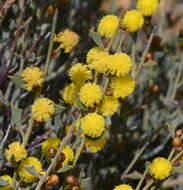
(54,161)
(138,154)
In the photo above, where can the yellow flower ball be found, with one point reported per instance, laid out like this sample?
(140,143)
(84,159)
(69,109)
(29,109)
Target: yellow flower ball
(90,94)
(100,65)
(67,39)
(16,151)
(93,125)
(109,106)
(70,94)
(79,74)
(43,109)
(123,187)
(9,179)
(94,54)
(33,78)
(95,146)
(69,155)
(122,86)
(160,168)
(119,64)
(48,144)
(24,174)
(147,7)
(133,20)
(108,25)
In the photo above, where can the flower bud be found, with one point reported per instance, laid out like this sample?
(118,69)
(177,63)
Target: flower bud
(53,180)
(178,132)
(72,180)
(177,142)
(51,153)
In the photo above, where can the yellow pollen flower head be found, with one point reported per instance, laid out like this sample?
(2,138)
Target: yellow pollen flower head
(123,187)
(24,174)
(43,109)
(33,78)
(95,146)
(120,64)
(16,151)
(67,39)
(100,65)
(109,106)
(122,86)
(70,94)
(79,74)
(147,7)
(108,25)
(94,54)
(69,155)
(6,178)
(133,20)
(90,94)
(93,125)
(160,168)
(50,143)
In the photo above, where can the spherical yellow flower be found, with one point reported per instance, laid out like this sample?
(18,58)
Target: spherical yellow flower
(160,168)
(9,179)
(95,146)
(122,86)
(43,109)
(93,125)
(69,155)
(67,39)
(90,94)
(133,20)
(50,143)
(24,174)
(33,78)
(79,74)
(109,106)
(108,25)
(100,65)
(16,151)
(120,64)
(123,187)
(147,7)
(70,94)
(94,54)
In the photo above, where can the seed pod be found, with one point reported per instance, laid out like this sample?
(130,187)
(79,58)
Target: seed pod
(149,56)
(178,132)
(154,89)
(75,188)
(53,180)
(50,10)
(61,157)
(92,109)
(177,142)
(72,180)
(52,152)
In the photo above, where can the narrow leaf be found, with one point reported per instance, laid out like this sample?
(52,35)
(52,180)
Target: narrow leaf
(32,171)
(64,169)
(3,100)
(178,169)
(16,116)
(96,38)
(171,129)
(17,80)
(59,109)
(81,106)
(134,175)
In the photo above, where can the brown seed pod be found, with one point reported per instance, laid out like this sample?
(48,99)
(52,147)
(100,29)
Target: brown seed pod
(52,152)
(50,10)
(75,188)
(53,180)
(178,132)
(61,157)
(72,180)
(154,89)
(149,56)
(177,142)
